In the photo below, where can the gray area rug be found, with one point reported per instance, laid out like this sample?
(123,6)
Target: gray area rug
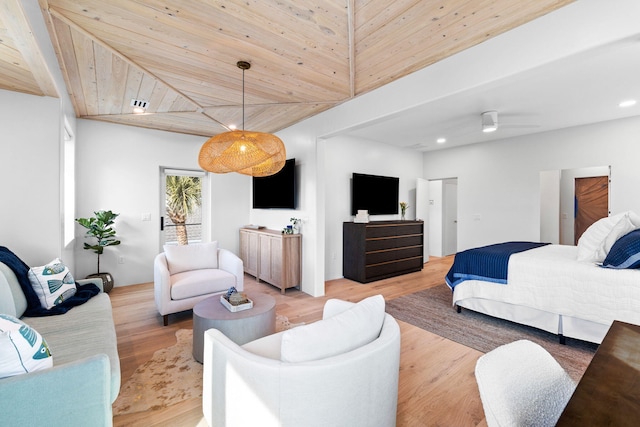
(431,310)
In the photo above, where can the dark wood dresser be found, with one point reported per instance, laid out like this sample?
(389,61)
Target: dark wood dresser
(609,392)
(381,249)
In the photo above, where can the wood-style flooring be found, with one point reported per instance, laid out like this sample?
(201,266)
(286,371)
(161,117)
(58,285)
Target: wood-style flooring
(437,385)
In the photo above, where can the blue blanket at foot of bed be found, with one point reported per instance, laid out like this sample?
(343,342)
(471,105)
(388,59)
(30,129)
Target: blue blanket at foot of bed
(487,263)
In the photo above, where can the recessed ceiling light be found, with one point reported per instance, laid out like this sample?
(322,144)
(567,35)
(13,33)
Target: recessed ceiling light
(627,103)
(233,127)
(441,140)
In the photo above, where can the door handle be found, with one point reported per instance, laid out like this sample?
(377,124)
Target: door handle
(161,223)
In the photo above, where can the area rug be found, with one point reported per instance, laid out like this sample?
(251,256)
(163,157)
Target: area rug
(431,310)
(171,376)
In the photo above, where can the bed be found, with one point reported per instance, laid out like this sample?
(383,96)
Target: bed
(572,291)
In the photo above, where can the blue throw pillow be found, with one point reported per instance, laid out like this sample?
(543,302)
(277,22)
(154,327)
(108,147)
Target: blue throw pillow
(625,252)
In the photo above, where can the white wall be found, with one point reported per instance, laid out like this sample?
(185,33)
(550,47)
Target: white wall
(30,174)
(31,164)
(500,181)
(119,170)
(343,156)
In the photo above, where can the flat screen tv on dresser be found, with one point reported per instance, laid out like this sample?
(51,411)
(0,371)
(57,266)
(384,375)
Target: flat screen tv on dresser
(374,193)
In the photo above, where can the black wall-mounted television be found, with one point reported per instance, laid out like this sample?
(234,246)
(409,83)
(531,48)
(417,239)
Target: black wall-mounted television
(277,191)
(377,194)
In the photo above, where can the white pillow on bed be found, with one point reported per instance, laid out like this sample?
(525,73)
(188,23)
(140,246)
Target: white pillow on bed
(596,241)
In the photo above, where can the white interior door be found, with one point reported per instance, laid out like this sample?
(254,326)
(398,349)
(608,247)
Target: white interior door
(422,212)
(450,216)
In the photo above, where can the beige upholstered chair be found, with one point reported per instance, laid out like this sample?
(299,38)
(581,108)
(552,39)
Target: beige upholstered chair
(340,371)
(521,384)
(185,275)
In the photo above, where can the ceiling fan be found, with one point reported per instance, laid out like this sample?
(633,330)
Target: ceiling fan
(490,122)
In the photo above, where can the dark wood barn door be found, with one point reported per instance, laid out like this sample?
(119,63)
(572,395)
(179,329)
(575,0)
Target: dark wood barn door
(592,202)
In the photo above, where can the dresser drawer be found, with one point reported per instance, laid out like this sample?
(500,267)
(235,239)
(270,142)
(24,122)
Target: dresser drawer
(392,242)
(393,268)
(399,229)
(387,255)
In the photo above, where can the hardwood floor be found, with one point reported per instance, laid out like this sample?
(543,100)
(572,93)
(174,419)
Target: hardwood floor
(437,385)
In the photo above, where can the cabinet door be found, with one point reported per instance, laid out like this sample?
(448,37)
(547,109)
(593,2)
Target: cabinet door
(249,252)
(276,261)
(264,272)
(244,249)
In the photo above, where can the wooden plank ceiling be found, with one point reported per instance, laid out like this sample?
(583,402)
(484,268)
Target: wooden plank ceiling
(306,55)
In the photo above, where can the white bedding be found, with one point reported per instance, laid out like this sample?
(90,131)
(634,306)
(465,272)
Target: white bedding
(549,279)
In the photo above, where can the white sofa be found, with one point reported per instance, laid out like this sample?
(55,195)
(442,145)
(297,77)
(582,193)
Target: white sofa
(258,384)
(185,275)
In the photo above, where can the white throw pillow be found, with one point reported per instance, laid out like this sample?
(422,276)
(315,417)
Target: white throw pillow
(53,283)
(191,257)
(22,349)
(593,238)
(344,332)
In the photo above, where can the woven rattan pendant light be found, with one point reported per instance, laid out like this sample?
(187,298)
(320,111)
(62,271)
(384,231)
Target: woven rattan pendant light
(246,152)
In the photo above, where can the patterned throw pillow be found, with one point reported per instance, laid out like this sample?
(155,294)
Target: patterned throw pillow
(22,349)
(53,283)
(625,252)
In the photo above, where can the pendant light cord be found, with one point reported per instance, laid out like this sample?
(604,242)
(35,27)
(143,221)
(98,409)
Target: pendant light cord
(243,99)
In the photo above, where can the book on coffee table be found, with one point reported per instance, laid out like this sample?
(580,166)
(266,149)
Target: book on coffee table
(236,307)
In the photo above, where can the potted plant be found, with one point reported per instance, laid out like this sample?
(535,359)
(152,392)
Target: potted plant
(297,222)
(100,228)
(403,209)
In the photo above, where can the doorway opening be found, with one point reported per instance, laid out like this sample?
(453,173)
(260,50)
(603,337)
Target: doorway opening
(561,205)
(182,203)
(443,217)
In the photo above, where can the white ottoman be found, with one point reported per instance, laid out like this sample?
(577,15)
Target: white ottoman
(521,384)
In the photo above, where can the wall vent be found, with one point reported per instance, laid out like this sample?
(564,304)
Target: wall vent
(139,103)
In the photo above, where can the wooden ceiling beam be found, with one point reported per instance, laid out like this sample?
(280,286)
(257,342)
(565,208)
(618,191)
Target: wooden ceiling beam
(19,29)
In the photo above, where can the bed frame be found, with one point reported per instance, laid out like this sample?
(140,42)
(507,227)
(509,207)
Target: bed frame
(563,326)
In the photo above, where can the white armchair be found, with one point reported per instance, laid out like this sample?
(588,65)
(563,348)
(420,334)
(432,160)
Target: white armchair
(340,371)
(185,275)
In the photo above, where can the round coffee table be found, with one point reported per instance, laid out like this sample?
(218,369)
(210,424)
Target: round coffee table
(240,327)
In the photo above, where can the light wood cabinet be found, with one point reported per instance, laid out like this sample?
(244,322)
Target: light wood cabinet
(272,257)
(249,252)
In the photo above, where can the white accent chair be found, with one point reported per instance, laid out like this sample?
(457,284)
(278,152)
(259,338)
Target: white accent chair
(185,275)
(521,384)
(340,371)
